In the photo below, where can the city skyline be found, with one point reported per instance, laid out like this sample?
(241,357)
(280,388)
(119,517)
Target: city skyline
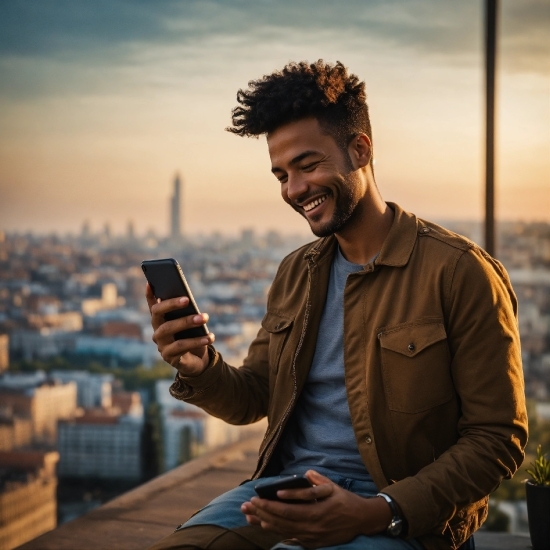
(100,106)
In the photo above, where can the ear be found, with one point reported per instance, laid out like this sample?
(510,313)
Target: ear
(360,151)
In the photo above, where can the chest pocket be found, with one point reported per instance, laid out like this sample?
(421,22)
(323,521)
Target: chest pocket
(279,327)
(416,366)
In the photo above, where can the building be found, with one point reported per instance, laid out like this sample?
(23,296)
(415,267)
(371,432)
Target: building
(93,390)
(15,432)
(27,496)
(104,443)
(67,321)
(4,352)
(43,404)
(175,206)
(42,344)
(128,403)
(182,435)
(109,300)
(187,431)
(116,351)
(121,329)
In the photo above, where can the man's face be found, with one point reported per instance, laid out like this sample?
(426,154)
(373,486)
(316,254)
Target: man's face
(317,177)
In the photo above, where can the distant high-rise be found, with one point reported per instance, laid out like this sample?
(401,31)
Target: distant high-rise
(130,231)
(175,204)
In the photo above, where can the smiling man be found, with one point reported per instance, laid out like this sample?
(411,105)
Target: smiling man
(388,362)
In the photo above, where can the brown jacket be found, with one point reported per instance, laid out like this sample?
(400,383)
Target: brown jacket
(432,366)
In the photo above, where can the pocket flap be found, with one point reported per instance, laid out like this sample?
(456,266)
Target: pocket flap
(273,322)
(411,340)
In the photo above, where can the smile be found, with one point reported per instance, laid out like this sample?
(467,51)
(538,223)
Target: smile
(309,206)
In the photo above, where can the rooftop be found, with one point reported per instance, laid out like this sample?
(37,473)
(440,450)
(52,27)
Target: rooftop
(144,515)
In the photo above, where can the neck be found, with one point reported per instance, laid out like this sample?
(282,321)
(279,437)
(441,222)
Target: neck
(363,238)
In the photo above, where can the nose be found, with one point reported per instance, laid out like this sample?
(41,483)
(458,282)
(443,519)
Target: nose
(296,186)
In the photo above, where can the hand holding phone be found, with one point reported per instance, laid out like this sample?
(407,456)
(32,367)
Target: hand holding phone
(180,330)
(268,489)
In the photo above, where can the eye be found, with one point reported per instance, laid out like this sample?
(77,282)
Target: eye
(310,166)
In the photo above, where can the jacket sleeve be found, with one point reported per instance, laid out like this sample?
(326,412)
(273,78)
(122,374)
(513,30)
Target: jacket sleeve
(483,338)
(236,395)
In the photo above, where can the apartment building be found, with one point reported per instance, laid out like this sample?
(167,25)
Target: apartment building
(103,444)
(27,495)
(43,404)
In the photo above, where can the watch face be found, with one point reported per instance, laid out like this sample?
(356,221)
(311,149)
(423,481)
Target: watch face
(395,527)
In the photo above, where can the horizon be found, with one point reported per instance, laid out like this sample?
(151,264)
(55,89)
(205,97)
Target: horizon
(101,107)
(121,235)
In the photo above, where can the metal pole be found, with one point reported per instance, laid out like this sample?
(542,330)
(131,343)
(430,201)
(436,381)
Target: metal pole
(491,14)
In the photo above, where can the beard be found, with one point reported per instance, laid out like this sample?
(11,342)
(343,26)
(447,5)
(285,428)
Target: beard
(346,211)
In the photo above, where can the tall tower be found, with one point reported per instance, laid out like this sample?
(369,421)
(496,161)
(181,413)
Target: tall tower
(175,218)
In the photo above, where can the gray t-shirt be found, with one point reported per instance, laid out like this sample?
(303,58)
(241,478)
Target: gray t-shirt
(320,435)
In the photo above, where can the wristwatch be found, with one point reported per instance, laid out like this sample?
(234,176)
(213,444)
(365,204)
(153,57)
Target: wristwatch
(395,528)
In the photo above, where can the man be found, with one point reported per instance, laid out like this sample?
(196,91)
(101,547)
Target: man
(388,362)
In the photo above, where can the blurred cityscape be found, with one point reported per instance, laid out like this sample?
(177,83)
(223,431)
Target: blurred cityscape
(85,412)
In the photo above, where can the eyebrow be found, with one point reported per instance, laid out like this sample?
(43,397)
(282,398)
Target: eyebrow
(296,160)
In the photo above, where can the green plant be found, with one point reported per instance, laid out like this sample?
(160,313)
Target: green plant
(540,471)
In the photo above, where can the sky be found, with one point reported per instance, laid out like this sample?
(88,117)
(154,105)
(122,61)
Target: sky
(102,102)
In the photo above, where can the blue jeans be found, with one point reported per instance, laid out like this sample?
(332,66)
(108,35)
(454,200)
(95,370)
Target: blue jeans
(224,511)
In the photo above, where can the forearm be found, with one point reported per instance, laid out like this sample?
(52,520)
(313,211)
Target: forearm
(236,395)
(458,480)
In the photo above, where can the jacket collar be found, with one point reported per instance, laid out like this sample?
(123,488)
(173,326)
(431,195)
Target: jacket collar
(400,241)
(397,247)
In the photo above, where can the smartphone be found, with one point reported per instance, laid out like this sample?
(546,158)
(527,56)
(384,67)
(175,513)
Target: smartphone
(168,281)
(268,489)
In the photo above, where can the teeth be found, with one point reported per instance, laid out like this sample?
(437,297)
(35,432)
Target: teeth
(315,203)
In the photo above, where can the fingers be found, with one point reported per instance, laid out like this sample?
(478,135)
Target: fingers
(164,306)
(279,517)
(159,309)
(188,355)
(323,487)
(297,494)
(172,352)
(165,330)
(151,300)
(253,520)
(291,512)
(249,510)
(316,478)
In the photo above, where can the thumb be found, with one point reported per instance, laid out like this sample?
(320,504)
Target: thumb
(316,478)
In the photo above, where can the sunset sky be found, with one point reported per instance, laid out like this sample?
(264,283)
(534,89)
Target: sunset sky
(102,101)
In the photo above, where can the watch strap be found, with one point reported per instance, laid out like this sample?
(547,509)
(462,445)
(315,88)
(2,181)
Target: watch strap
(395,528)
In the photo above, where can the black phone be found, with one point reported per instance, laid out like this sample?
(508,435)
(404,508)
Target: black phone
(268,489)
(168,281)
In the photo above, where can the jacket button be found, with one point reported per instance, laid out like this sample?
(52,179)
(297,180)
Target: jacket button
(368,439)
(410,347)
(426,230)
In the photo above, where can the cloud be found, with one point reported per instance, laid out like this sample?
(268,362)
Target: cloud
(61,48)
(81,29)
(65,27)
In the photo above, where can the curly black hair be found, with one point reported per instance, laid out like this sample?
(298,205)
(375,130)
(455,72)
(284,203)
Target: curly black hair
(326,92)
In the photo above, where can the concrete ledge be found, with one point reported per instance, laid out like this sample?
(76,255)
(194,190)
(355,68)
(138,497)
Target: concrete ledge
(152,511)
(148,513)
